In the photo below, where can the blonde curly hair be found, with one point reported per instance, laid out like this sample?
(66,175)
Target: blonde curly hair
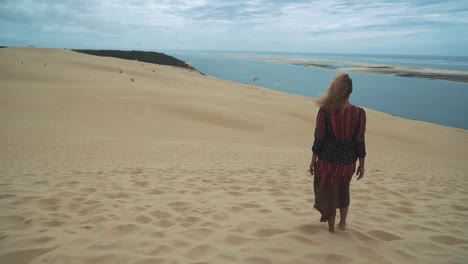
(339,90)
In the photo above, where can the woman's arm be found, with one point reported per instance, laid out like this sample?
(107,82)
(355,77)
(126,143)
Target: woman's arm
(360,144)
(312,163)
(319,139)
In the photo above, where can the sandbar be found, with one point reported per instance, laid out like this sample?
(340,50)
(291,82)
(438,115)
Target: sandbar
(349,66)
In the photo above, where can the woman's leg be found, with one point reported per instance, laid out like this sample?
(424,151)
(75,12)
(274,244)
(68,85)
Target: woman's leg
(343,215)
(331,224)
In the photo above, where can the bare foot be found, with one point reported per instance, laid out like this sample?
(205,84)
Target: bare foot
(332,230)
(342,227)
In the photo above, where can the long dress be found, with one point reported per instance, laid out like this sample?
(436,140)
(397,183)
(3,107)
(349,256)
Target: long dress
(339,142)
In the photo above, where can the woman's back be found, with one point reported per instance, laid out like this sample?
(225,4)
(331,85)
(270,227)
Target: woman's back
(344,121)
(339,143)
(339,135)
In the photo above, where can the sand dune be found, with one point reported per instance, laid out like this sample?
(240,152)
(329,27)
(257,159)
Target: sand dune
(176,167)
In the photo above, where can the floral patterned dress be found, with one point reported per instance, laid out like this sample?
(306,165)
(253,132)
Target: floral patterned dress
(339,142)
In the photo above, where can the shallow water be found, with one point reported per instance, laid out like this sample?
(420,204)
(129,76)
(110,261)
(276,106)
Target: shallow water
(434,101)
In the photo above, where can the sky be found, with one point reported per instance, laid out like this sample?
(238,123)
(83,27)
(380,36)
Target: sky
(420,27)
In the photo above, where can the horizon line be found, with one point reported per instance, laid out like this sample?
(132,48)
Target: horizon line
(246,51)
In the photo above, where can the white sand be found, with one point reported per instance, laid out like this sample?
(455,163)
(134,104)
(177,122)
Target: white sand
(177,167)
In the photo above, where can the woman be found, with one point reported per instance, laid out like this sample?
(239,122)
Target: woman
(339,143)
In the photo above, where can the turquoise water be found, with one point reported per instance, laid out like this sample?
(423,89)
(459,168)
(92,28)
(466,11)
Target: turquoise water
(459,63)
(439,102)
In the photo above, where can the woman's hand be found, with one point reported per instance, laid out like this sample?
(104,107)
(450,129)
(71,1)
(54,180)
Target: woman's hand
(312,163)
(311,167)
(360,172)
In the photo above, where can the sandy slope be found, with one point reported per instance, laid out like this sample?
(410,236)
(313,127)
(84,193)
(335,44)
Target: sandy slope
(181,168)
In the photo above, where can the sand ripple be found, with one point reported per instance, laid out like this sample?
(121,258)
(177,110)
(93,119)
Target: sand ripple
(163,226)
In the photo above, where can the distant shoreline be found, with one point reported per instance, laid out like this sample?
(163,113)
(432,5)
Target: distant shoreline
(349,66)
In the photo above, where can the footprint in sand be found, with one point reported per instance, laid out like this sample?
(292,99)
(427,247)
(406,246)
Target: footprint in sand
(151,261)
(7,195)
(254,189)
(48,204)
(123,230)
(235,240)
(161,214)
(278,193)
(95,220)
(141,184)
(11,220)
(337,258)
(221,216)
(197,234)
(135,171)
(235,187)
(78,199)
(93,208)
(165,223)
(371,255)
(103,245)
(31,242)
(28,223)
(406,203)
(460,208)
(211,225)
(119,195)
(392,216)
(235,194)
(403,210)
(268,232)
(180,206)
(250,205)
(201,251)
(91,201)
(248,227)
(257,260)
(40,182)
(404,257)
(237,209)
(362,236)
(412,227)
(279,251)
(384,235)
(309,229)
(22,255)
(143,219)
(158,251)
(188,221)
(87,190)
(52,224)
(302,240)
(155,192)
(264,211)
(448,240)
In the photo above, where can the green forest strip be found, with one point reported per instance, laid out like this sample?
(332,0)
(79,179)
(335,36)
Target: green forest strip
(142,56)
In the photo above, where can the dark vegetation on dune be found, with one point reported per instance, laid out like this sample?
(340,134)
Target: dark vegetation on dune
(3,47)
(142,56)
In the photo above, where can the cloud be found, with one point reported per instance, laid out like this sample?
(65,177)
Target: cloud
(238,25)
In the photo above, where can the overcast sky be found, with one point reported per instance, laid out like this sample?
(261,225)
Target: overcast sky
(337,26)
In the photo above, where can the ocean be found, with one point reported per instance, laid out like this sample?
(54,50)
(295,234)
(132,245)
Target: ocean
(434,101)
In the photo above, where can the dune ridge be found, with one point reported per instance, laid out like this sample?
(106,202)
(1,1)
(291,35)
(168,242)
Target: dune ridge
(176,167)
